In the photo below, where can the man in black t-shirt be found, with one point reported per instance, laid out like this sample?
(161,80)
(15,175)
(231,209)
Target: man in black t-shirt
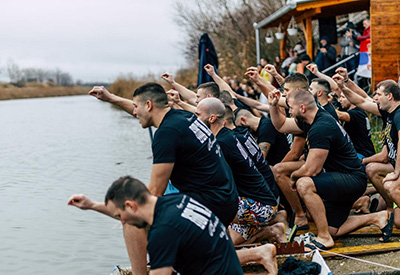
(332,178)
(184,234)
(383,169)
(320,89)
(356,123)
(273,144)
(257,204)
(184,151)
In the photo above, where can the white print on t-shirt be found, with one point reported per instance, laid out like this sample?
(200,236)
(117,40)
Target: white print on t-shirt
(201,216)
(251,146)
(200,130)
(196,213)
(343,131)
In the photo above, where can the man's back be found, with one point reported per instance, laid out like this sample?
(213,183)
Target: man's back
(200,169)
(249,181)
(189,237)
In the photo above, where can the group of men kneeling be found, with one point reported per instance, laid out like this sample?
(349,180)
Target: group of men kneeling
(229,194)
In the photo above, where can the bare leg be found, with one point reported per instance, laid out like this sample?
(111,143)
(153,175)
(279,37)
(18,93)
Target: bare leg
(265,255)
(379,219)
(282,172)
(316,208)
(376,172)
(136,245)
(235,236)
(392,188)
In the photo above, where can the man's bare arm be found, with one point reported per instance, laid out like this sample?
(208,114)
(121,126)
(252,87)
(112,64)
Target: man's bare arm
(314,69)
(351,85)
(84,203)
(220,82)
(272,71)
(279,120)
(343,116)
(313,166)
(396,173)
(186,94)
(162,271)
(160,174)
(296,150)
(381,157)
(265,146)
(173,96)
(253,103)
(356,99)
(103,94)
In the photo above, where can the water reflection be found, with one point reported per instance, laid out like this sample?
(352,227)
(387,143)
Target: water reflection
(51,148)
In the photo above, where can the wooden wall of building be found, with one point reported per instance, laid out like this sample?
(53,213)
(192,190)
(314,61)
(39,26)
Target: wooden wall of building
(385,37)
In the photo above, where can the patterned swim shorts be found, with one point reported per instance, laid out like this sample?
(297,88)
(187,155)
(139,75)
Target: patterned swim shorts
(251,216)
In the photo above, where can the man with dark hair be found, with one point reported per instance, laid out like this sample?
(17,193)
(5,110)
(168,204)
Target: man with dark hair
(184,234)
(332,177)
(257,204)
(273,144)
(383,169)
(356,123)
(209,89)
(320,89)
(184,151)
(326,55)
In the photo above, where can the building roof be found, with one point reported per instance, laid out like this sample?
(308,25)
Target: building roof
(301,9)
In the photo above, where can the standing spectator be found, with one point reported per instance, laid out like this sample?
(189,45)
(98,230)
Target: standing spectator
(264,74)
(367,31)
(350,45)
(302,67)
(326,55)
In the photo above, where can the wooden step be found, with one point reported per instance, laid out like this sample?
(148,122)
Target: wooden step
(362,249)
(364,231)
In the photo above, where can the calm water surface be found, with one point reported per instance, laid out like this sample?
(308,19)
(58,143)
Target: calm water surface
(50,149)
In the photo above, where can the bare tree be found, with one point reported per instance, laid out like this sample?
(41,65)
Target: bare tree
(14,72)
(230,25)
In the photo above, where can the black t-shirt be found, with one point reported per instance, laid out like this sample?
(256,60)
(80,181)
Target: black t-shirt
(189,237)
(391,123)
(330,109)
(249,181)
(254,151)
(200,169)
(266,132)
(359,130)
(326,133)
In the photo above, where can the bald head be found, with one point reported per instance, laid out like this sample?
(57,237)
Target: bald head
(211,110)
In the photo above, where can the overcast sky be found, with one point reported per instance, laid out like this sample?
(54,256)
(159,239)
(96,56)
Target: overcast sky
(93,40)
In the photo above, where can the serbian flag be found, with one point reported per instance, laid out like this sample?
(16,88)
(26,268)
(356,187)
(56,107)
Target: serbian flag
(364,67)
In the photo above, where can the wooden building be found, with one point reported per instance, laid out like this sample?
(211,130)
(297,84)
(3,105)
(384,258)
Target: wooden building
(385,28)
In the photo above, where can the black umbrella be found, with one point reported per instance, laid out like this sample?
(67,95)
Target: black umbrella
(207,55)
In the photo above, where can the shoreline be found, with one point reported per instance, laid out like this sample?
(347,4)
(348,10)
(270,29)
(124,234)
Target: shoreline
(37,90)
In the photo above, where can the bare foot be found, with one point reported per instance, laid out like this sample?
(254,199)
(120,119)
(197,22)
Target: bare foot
(267,254)
(382,220)
(362,205)
(273,233)
(301,221)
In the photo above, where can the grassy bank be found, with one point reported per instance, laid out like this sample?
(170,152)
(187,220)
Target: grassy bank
(32,90)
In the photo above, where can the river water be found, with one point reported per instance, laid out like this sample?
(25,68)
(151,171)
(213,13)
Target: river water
(50,149)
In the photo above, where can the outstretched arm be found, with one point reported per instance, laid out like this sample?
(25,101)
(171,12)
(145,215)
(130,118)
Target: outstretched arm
(103,94)
(253,103)
(84,203)
(356,99)
(279,120)
(351,85)
(173,97)
(220,82)
(314,69)
(272,70)
(265,86)
(187,94)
